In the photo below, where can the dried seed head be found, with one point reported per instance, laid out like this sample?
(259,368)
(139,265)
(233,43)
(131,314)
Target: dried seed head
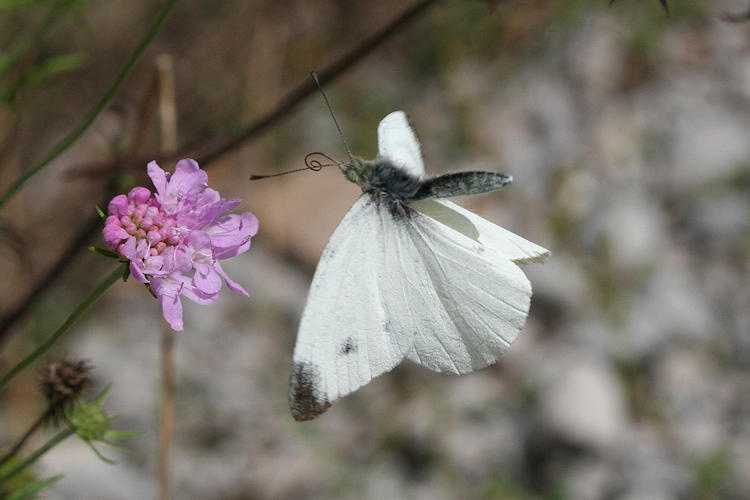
(63,382)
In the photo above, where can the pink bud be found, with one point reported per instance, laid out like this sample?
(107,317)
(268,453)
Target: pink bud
(113,234)
(139,194)
(153,236)
(119,205)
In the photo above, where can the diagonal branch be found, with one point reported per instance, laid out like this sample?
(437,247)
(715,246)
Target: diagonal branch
(213,151)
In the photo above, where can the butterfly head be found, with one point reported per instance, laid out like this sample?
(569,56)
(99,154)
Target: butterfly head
(358,171)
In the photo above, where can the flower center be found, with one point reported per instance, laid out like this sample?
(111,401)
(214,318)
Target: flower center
(146,221)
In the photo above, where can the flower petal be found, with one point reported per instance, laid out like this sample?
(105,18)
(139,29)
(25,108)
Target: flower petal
(172,309)
(158,177)
(230,236)
(232,285)
(167,289)
(136,272)
(187,178)
(128,249)
(206,279)
(203,215)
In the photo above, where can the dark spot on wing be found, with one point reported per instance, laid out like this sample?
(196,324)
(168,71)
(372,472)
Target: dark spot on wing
(305,399)
(348,347)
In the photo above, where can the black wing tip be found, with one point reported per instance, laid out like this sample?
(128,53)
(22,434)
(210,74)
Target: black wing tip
(304,400)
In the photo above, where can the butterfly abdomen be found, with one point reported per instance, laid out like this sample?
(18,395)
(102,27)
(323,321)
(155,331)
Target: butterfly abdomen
(461,183)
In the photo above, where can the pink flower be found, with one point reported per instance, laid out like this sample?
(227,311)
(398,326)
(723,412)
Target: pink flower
(174,238)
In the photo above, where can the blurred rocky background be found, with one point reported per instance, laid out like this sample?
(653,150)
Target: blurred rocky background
(627,133)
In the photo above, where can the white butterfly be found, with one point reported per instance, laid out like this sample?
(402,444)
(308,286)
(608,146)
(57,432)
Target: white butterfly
(406,275)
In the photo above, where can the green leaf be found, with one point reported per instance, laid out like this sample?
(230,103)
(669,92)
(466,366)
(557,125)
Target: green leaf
(31,489)
(101,213)
(105,251)
(98,454)
(103,395)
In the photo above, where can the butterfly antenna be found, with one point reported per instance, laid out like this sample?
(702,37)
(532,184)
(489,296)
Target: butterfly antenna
(330,110)
(311,163)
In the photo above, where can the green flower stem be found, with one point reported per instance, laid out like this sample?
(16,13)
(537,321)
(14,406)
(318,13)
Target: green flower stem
(68,141)
(19,444)
(57,335)
(57,439)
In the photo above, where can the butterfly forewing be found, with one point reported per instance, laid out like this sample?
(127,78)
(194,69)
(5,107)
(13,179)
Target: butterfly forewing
(398,143)
(344,339)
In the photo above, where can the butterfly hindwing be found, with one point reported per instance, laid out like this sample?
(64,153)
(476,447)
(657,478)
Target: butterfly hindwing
(500,240)
(460,304)
(398,143)
(476,300)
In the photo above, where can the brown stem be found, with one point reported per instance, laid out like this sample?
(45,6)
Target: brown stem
(168,122)
(166,415)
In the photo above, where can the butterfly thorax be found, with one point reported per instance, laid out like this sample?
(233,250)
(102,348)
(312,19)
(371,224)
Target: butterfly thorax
(385,183)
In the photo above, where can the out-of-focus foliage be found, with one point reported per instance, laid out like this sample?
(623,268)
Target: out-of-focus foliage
(22,64)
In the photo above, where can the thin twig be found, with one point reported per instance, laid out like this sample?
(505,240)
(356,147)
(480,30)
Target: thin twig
(167,103)
(213,152)
(71,138)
